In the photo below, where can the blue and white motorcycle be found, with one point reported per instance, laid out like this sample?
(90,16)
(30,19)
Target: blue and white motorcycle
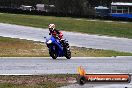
(57,49)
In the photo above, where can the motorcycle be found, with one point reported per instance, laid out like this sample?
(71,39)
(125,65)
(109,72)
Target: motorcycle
(57,48)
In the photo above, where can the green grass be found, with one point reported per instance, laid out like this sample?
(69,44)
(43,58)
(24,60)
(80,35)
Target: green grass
(36,81)
(71,24)
(10,47)
(89,52)
(42,85)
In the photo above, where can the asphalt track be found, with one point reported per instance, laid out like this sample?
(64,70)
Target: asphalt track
(46,65)
(75,39)
(41,65)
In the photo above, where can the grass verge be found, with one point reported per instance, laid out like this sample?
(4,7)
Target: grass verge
(10,47)
(36,81)
(71,24)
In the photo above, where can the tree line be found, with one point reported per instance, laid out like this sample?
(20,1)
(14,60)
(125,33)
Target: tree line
(78,7)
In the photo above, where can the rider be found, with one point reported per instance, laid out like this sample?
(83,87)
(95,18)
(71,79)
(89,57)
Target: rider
(56,33)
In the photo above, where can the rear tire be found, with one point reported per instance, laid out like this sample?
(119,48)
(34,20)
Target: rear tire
(68,54)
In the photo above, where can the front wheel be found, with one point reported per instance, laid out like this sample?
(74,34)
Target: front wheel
(53,54)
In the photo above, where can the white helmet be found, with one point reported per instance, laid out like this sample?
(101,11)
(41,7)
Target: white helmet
(52,26)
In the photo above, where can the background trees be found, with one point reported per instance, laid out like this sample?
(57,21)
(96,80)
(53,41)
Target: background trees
(75,7)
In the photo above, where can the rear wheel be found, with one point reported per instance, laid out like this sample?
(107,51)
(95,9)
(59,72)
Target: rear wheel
(68,54)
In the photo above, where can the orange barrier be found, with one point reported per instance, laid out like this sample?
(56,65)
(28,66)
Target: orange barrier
(102,77)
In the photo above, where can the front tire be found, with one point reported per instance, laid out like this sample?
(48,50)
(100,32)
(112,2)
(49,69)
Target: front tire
(53,54)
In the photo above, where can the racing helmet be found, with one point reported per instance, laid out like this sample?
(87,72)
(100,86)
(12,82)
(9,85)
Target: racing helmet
(51,26)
